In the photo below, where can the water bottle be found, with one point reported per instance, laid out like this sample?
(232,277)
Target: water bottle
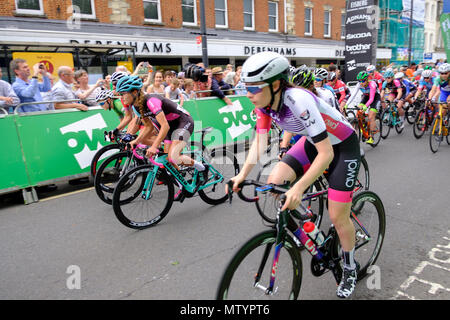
(314,233)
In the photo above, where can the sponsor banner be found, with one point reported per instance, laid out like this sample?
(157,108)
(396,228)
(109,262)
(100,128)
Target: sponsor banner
(360,27)
(418,12)
(51,60)
(445,29)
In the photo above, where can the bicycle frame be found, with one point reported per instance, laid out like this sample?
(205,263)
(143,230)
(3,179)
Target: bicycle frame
(162,162)
(393,119)
(363,124)
(440,117)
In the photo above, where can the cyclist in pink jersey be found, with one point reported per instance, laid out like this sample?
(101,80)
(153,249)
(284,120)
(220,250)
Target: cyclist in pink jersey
(328,141)
(375,75)
(340,89)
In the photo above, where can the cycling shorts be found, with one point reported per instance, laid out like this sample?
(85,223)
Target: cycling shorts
(342,172)
(181,129)
(376,103)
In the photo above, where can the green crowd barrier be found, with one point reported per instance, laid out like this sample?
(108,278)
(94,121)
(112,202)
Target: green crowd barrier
(46,147)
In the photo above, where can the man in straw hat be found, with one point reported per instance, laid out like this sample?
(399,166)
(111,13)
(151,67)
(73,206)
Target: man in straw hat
(217,85)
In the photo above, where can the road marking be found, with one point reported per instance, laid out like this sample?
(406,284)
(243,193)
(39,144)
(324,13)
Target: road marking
(437,263)
(66,194)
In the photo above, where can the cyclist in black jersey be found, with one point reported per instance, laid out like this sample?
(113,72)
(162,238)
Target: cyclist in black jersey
(175,124)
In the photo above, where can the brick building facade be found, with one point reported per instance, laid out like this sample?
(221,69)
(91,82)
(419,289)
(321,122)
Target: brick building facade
(306,31)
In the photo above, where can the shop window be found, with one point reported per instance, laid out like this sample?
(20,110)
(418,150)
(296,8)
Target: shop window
(189,11)
(273,16)
(220,9)
(249,16)
(86,8)
(30,7)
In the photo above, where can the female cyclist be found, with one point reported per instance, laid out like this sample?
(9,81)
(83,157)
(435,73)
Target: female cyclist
(175,124)
(370,99)
(329,142)
(395,90)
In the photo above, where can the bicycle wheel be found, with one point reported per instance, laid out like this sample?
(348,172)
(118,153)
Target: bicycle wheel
(386,123)
(130,205)
(363,181)
(378,132)
(267,203)
(110,172)
(410,113)
(225,163)
(398,127)
(420,124)
(369,219)
(103,153)
(256,257)
(435,137)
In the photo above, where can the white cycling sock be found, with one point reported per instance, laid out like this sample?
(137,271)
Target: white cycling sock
(199,166)
(349,259)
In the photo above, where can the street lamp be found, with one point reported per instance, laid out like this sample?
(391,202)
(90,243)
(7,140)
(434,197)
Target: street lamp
(410,33)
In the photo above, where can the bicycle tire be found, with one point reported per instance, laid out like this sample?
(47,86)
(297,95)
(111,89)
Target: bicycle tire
(232,169)
(125,203)
(245,254)
(100,154)
(420,124)
(398,129)
(369,205)
(410,113)
(386,123)
(270,215)
(377,137)
(435,137)
(106,175)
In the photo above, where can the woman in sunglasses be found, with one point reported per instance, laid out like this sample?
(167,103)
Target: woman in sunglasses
(425,83)
(441,85)
(175,124)
(328,141)
(395,90)
(370,100)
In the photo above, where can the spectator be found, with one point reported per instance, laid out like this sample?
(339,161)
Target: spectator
(333,68)
(180,78)
(30,91)
(229,78)
(157,86)
(8,97)
(203,85)
(87,93)
(122,69)
(168,75)
(218,85)
(62,90)
(173,91)
(238,84)
(188,92)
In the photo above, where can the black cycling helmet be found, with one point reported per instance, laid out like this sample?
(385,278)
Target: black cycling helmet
(303,77)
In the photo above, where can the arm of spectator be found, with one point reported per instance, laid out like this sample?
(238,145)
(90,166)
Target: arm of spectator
(8,97)
(138,67)
(46,85)
(83,96)
(26,91)
(167,92)
(181,98)
(215,88)
(58,94)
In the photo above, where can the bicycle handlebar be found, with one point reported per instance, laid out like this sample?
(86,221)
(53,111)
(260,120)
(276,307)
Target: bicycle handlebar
(273,188)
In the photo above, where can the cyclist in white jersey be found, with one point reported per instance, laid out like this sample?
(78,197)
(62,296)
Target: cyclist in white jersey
(328,141)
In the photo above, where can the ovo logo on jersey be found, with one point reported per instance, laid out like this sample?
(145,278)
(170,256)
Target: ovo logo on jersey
(80,138)
(237,119)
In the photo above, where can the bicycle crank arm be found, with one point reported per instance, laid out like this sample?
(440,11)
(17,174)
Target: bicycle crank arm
(267,291)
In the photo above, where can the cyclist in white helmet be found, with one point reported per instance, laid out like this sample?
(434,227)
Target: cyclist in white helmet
(375,75)
(328,141)
(324,90)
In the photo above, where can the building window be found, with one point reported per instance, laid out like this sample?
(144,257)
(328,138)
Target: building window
(273,16)
(87,8)
(327,23)
(189,10)
(308,21)
(249,17)
(342,25)
(152,10)
(220,9)
(29,6)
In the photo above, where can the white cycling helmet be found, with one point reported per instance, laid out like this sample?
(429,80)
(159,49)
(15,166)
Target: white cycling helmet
(427,73)
(103,95)
(265,66)
(116,76)
(321,73)
(445,67)
(370,68)
(399,75)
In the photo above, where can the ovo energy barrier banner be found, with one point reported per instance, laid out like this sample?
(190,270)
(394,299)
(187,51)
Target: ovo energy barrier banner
(48,146)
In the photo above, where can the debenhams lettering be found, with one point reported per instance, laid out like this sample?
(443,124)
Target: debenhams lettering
(359,35)
(283,51)
(141,47)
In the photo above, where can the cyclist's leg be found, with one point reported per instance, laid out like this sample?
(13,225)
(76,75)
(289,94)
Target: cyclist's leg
(342,177)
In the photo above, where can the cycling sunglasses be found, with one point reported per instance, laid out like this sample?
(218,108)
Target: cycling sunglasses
(427,78)
(443,73)
(255,89)
(318,79)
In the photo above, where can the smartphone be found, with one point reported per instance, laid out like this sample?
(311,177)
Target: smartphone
(41,66)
